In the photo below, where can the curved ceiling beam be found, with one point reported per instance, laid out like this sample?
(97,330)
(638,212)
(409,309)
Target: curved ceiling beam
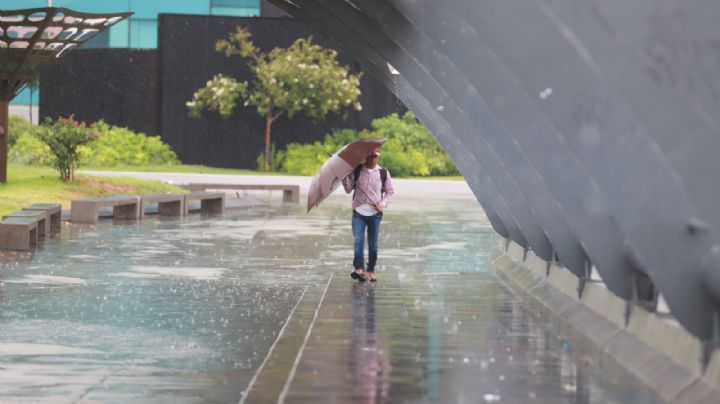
(378,67)
(690,301)
(482,186)
(508,188)
(662,220)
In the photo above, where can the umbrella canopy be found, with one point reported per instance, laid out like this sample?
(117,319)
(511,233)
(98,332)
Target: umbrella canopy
(337,167)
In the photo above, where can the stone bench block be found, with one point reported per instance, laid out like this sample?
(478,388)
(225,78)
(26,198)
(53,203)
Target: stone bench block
(18,233)
(210,202)
(291,193)
(87,210)
(53,209)
(42,217)
(169,205)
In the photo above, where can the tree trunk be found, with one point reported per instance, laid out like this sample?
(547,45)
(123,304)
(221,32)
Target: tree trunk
(268,128)
(4,112)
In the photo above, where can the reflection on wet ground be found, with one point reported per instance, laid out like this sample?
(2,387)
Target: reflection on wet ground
(257,305)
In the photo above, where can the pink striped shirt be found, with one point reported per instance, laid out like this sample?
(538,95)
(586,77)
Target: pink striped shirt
(370,182)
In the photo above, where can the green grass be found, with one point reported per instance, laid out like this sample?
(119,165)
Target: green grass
(27,185)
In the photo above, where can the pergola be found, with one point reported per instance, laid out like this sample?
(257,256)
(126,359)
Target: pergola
(33,38)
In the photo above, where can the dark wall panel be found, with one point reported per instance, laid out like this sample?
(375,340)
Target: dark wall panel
(146,90)
(188,60)
(269,10)
(117,85)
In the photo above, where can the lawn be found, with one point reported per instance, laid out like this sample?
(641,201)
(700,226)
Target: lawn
(27,185)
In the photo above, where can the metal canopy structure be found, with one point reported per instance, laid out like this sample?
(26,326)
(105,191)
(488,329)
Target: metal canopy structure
(588,131)
(31,39)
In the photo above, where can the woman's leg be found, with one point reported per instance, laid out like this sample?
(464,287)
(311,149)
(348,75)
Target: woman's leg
(373,232)
(358,229)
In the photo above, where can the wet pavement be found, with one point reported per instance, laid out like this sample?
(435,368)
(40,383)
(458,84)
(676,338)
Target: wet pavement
(258,306)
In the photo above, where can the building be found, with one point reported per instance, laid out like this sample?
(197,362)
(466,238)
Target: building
(139,31)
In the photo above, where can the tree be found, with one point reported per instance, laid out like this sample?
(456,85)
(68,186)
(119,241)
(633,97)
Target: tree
(303,78)
(64,137)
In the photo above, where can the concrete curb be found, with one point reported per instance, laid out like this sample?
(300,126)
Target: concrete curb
(653,347)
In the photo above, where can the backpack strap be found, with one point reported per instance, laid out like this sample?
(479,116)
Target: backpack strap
(355,178)
(357,174)
(383,178)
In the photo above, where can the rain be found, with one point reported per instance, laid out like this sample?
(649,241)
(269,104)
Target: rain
(214,308)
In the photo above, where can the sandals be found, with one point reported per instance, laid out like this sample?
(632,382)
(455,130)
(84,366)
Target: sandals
(360,278)
(363,277)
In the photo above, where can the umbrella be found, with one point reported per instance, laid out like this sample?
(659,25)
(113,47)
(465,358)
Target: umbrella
(337,167)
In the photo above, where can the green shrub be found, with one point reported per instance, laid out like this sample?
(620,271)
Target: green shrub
(17,127)
(306,159)
(120,146)
(277,158)
(113,146)
(29,150)
(63,137)
(410,150)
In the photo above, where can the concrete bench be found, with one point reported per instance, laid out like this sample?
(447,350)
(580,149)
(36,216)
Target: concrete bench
(41,216)
(171,205)
(18,233)
(291,193)
(88,210)
(54,210)
(210,202)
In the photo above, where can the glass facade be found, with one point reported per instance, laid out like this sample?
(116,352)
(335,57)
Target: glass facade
(140,31)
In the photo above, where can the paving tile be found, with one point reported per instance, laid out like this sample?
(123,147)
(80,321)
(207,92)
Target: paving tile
(258,306)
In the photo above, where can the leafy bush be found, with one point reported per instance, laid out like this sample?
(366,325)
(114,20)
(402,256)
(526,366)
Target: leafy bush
(275,162)
(306,159)
(120,146)
(63,137)
(410,150)
(113,146)
(17,127)
(29,150)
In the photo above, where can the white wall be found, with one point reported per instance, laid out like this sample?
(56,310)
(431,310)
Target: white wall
(24,111)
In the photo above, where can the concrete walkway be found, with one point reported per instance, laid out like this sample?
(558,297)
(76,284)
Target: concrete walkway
(258,306)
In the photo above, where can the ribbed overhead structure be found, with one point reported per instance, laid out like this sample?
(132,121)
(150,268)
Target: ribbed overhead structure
(589,131)
(31,39)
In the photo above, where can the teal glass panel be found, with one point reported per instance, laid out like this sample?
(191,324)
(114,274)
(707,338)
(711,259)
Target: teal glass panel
(14,4)
(149,9)
(23,98)
(94,6)
(120,34)
(143,33)
(236,12)
(235,3)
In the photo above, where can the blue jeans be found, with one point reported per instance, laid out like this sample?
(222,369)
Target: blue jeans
(359,225)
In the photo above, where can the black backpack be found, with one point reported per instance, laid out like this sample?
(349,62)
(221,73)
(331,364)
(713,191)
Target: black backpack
(383,178)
